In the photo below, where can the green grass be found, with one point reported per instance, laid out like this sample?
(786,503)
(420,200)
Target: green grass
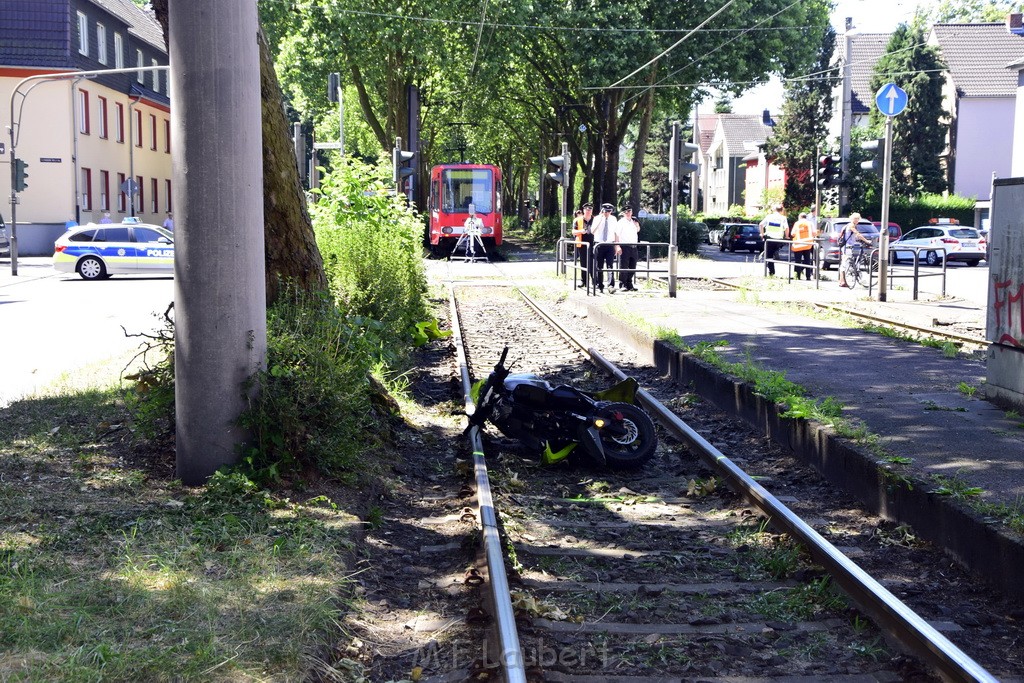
(110,573)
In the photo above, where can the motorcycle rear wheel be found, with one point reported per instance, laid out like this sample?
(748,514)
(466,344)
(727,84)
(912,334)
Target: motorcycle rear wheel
(638,440)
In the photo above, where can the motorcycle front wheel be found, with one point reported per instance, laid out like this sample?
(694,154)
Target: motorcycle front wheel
(628,437)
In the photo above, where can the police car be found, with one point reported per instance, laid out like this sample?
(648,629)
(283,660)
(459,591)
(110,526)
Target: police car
(98,251)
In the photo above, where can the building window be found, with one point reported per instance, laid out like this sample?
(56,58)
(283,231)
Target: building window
(86,189)
(156,76)
(142,195)
(167,195)
(104,191)
(118,51)
(152,132)
(119,122)
(155,198)
(101,43)
(167,136)
(103,116)
(83,34)
(122,198)
(138,128)
(141,75)
(83,112)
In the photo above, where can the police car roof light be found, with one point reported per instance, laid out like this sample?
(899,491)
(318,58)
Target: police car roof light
(944,221)
(131,219)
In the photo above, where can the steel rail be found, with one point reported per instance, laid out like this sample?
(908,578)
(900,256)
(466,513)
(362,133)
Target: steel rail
(886,609)
(895,323)
(512,660)
(967,339)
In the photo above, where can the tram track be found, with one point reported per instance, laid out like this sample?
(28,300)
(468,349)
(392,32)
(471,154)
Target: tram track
(565,529)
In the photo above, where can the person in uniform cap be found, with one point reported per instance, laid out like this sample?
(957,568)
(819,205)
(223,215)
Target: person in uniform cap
(606,234)
(629,235)
(581,230)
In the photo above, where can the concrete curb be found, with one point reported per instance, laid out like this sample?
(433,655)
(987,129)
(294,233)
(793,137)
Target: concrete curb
(982,547)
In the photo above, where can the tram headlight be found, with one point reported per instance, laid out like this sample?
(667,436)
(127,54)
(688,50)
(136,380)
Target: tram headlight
(487,231)
(447,231)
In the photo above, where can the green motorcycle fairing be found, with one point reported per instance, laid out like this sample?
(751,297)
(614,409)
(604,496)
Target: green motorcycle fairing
(623,392)
(550,457)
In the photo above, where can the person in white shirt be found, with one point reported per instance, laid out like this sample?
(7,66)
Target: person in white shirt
(473,228)
(606,234)
(169,222)
(629,235)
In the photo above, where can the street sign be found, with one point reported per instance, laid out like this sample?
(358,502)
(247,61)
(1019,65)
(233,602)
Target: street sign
(129,187)
(326,145)
(891,99)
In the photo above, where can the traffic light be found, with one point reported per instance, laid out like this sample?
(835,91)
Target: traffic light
(561,174)
(686,151)
(20,175)
(333,84)
(684,189)
(829,173)
(399,160)
(877,150)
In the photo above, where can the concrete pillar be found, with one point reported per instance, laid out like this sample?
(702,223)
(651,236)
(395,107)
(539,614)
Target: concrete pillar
(220,292)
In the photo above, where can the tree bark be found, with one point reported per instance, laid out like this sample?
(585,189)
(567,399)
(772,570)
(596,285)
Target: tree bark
(291,252)
(640,148)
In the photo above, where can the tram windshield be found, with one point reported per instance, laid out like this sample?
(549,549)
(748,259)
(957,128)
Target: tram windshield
(461,187)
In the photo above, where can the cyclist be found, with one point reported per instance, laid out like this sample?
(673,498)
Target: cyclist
(848,239)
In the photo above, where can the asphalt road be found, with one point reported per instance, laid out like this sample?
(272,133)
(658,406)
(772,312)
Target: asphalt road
(53,323)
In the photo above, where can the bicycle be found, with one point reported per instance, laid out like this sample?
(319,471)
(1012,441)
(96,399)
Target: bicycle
(855,271)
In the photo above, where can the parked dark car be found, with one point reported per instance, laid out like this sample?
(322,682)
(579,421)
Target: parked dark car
(741,236)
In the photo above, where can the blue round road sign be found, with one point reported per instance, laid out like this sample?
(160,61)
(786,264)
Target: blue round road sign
(891,99)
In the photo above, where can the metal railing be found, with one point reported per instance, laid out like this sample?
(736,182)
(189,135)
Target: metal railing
(790,264)
(568,253)
(896,272)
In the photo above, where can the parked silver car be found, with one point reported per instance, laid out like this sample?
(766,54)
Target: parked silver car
(954,242)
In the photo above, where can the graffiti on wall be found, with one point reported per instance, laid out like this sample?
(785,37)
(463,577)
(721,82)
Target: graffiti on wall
(1008,307)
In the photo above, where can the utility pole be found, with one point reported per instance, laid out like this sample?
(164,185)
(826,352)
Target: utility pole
(847,117)
(220,336)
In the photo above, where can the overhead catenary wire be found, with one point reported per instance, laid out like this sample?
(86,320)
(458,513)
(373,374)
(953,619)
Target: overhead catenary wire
(675,44)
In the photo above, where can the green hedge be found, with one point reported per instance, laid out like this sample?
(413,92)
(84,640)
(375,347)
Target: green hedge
(688,238)
(911,214)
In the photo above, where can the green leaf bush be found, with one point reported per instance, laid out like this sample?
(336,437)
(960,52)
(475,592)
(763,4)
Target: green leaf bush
(371,241)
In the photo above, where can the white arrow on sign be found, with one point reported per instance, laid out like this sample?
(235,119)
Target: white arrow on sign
(891,99)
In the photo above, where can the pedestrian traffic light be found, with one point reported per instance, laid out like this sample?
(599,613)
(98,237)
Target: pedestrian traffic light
(399,160)
(561,174)
(829,173)
(20,175)
(877,150)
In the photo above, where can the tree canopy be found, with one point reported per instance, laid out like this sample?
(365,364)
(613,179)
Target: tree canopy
(919,133)
(519,78)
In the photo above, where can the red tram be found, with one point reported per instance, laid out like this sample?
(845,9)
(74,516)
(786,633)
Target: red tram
(453,187)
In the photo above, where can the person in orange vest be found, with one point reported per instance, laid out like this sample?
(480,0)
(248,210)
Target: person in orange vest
(584,238)
(802,235)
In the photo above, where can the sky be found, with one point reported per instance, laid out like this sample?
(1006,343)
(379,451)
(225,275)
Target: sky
(870,16)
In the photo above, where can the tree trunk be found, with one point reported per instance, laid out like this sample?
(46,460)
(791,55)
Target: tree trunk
(640,148)
(291,252)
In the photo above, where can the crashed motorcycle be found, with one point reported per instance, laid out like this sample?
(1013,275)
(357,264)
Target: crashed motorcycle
(605,426)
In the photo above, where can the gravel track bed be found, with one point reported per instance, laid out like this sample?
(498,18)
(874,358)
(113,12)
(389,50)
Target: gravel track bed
(422,597)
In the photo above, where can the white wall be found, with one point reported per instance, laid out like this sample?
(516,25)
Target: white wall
(984,144)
